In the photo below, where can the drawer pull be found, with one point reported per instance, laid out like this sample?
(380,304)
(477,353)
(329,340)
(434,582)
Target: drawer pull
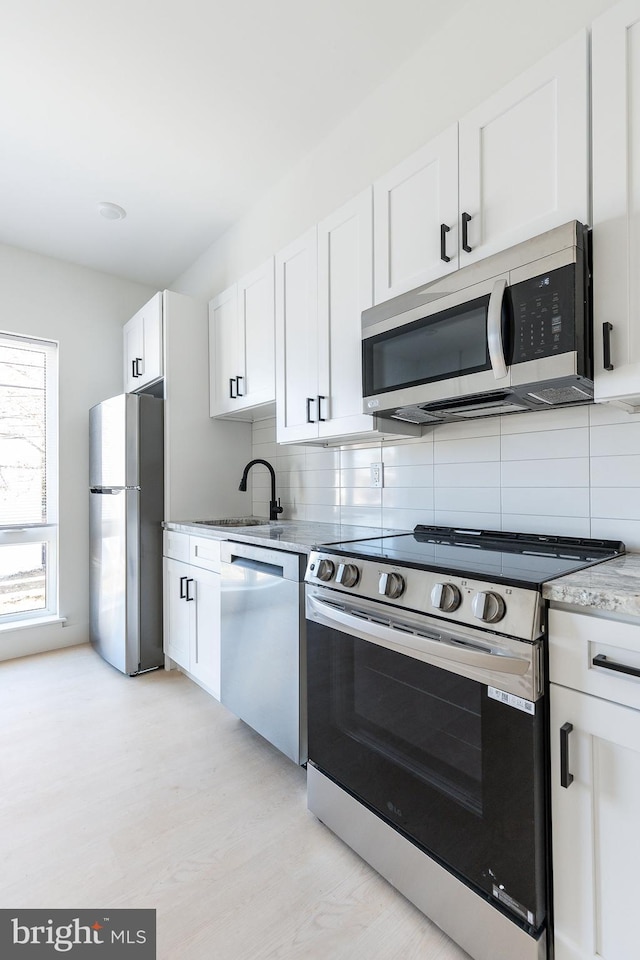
(566,778)
(602,661)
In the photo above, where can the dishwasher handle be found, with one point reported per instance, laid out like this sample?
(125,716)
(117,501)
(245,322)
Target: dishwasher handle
(277,563)
(259,566)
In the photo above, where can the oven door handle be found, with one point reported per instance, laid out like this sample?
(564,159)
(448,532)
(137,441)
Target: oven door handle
(414,645)
(494,330)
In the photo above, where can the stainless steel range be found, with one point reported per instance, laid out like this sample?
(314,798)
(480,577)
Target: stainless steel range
(427,721)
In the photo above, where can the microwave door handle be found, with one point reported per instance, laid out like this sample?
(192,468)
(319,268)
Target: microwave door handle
(494,330)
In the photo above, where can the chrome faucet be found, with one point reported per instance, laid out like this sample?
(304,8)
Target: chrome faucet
(274,505)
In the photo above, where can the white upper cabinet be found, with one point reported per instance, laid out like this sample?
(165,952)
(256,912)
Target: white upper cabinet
(323,283)
(224,354)
(345,289)
(416,218)
(142,342)
(511,169)
(524,155)
(256,308)
(616,203)
(241,346)
(297,393)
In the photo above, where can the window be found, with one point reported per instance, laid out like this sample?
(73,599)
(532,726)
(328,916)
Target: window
(28,478)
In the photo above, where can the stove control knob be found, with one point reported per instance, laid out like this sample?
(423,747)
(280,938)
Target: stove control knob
(326,570)
(391,585)
(488,606)
(348,574)
(446,597)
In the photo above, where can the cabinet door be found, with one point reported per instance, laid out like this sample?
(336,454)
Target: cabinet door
(152,366)
(616,200)
(345,289)
(524,154)
(596,841)
(224,354)
(414,204)
(297,340)
(256,321)
(177,622)
(133,350)
(205,641)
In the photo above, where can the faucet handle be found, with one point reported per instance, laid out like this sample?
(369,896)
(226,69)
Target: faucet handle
(279,508)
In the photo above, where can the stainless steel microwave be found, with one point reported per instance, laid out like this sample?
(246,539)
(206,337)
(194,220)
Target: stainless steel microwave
(504,335)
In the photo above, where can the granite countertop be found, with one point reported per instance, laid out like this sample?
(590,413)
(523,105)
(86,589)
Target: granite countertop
(610,586)
(613,585)
(299,536)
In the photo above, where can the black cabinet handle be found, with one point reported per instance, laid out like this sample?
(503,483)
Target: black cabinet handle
(444,230)
(310,400)
(232,382)
(606,346)
(189,580)
(601,661)
(466,217)
(238,394)
(182,583)
(138,362)
(321,419)
(133,369)
(566,778)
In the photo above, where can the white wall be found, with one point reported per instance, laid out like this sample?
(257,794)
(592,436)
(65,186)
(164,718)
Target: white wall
(83,310)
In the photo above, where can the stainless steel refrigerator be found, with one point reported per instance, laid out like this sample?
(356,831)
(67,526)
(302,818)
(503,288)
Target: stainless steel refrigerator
(126,483)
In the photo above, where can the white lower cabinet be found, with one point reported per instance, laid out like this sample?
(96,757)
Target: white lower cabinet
(192,607)
(595,776)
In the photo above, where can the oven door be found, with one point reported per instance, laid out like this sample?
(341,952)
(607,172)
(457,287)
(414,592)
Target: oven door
(420,727)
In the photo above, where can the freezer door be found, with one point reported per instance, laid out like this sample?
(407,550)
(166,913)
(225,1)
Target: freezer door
(114,442)
(114,574)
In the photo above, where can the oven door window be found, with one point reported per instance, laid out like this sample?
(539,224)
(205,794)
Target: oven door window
(443,346)
(457,772)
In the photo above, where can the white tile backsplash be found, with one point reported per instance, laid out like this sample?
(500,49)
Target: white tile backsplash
(559,472)
(466,450)
(547,501)
(545,444)
(616,439)
(619,503)
(572,472)
(469,499)
(623,471)
(463,475)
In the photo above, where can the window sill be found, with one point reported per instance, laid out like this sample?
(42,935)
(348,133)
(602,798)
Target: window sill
(32,622)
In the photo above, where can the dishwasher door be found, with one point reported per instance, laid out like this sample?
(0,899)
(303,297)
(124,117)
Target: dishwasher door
(262,643)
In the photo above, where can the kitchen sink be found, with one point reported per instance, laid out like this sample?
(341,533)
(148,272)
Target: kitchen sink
(234,522)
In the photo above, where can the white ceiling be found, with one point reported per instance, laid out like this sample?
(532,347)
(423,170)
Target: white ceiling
(182,111)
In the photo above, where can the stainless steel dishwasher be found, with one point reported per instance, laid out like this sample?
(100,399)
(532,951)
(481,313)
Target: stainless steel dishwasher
(262,643)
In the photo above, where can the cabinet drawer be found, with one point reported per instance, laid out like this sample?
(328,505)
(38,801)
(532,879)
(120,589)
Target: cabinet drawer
(577,640)
(205,552)
(175,545)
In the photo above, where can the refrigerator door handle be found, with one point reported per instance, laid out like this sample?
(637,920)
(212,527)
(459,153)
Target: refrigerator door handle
(111,490)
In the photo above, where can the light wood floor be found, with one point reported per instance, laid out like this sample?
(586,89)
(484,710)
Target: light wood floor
(144,791)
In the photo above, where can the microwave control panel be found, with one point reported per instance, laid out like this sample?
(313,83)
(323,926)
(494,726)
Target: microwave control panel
(544,315)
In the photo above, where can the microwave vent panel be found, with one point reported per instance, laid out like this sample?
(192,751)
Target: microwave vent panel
(558,395)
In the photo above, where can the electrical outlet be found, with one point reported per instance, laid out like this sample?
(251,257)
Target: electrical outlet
(377,474)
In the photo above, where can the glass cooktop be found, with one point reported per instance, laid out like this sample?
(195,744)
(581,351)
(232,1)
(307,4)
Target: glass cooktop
(492,555)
